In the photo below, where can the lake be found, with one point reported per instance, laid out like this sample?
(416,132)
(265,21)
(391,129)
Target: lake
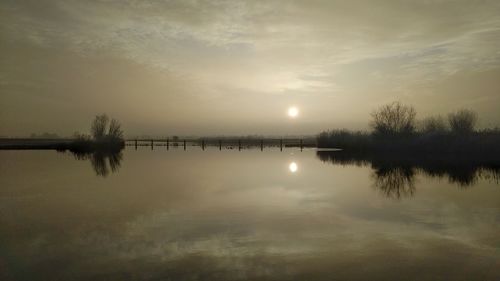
(245,215)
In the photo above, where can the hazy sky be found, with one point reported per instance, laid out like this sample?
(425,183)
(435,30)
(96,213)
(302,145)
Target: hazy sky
(234,67)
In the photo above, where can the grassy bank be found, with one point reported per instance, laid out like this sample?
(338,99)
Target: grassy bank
(482,142)
(395,129)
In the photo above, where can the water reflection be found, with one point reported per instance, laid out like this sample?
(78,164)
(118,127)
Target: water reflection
(394,175)
(225,215)
(395,182)
(103,162)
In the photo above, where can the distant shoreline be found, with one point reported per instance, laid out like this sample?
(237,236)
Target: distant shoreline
(58,144)
(32,143)
(475,144)
(70,144)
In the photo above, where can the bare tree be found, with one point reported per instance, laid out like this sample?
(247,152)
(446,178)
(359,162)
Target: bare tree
(394,119)
(433,124)
(115,130)
(99,125)
(463,121)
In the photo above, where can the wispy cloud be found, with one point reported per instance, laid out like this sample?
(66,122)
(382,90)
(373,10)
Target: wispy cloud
(272,47)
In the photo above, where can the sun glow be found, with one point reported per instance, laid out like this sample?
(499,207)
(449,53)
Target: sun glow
(293,112)
(293,167)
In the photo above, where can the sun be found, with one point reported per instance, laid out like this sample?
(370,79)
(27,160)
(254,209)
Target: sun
(293,167)
(293,112)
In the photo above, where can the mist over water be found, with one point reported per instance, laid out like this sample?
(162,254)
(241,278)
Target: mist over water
(245,215)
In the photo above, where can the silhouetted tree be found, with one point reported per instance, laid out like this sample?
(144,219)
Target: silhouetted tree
(115,131)
(394,119)
(99,125)
(463,121)
(100,130)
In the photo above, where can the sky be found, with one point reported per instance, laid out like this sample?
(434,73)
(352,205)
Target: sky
(236,67)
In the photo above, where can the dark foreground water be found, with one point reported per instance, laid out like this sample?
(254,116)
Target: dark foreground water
(245,215)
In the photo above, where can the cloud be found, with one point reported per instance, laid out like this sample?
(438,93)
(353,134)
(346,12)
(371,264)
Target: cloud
(272,47)
(341,32)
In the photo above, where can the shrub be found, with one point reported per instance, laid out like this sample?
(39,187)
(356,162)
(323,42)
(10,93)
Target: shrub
(463,121)
(433,125)
(394,119)
(344,139)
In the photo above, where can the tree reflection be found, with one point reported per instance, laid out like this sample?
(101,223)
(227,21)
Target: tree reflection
(103,162)
(394,175)
(395,182)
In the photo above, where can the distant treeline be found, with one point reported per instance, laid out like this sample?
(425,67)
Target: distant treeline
(45,135)
(394,128)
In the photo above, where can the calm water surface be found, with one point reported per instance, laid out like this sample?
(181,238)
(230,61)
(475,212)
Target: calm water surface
(243,215)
